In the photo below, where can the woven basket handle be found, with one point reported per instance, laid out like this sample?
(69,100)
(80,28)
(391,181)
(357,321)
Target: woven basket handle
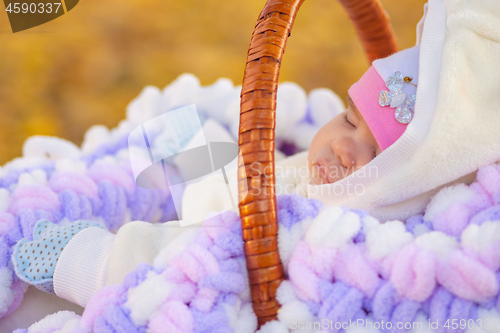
(256,134)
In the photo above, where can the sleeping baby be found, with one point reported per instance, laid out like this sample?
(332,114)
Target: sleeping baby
(383,154)
(380,108)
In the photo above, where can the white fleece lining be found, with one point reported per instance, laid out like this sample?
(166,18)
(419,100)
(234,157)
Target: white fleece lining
(80,270)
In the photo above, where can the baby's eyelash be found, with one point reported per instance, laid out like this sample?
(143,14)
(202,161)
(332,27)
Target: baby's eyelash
(347,120)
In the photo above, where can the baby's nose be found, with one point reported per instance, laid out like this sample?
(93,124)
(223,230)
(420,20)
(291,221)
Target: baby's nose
(345,150)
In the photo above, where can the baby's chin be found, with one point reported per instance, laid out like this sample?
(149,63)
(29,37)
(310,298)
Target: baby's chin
(317,181)
(321,181)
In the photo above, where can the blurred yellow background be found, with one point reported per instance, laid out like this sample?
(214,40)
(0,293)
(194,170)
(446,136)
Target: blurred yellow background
(83,68)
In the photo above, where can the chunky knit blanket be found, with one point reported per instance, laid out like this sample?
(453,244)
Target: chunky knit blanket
(61,182)
(346,271)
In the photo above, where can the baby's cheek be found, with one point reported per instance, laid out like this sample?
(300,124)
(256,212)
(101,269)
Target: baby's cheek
(310,161)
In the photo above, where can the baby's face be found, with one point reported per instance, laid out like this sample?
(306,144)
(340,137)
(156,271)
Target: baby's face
(341,147)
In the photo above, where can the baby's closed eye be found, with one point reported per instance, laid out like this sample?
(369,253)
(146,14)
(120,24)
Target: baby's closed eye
(347,121)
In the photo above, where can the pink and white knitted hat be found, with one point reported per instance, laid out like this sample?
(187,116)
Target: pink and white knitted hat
(385,95)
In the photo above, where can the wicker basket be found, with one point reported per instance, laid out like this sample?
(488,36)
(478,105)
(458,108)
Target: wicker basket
(256,134)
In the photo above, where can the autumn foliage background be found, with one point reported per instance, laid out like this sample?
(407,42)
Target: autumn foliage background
(83,68)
